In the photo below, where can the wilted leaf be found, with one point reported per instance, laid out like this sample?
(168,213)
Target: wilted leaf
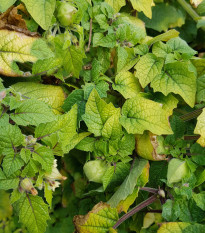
(99,220)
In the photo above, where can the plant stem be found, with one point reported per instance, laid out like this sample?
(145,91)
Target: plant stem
(136,209)
(187,7)
(150,190)
(191,115)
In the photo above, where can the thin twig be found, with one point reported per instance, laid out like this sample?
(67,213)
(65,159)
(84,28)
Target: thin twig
(136,209)
(90,35)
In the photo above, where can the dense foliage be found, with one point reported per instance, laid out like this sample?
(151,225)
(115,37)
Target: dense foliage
(102,118)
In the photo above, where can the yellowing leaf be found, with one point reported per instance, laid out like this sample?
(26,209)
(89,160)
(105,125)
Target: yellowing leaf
(127,84)
(41,11)
(173,227)
(116,4)
(200,128)
(147,145)
(124,205)
(17,47)
(99,220)
(50,94)
(143,5)
(178,79)
(4,5)
(149,219)
(139,114)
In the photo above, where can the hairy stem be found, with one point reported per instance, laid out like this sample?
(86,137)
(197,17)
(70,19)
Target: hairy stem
(187,7)
(136,209)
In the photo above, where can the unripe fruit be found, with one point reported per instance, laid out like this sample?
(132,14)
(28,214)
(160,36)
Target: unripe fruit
(65,13)
(27,185)
(94,170)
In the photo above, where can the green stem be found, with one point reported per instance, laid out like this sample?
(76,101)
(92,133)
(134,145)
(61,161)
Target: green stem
(187,7)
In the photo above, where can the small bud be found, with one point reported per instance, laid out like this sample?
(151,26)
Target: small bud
(2,95)
(30,140)
(161,193)
(27,185)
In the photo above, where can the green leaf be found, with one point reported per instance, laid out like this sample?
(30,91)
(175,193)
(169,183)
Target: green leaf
(48,194)
(108,41)
(116,4)
(5,207)
(100,219)
(4,5)
(33,213)
(32,112)
(11,164)
(97,112)
(112,128)
(10,138)
(44,156)
(127,85)
(199,63)
(8,182)
(73,60)
(163,37)
(200,128)
(176,78)
(129,29)
(41,11)
(64,126)
(47,66)
(107,177)
(25,49)
(136,117)
(25,155)
(199,198)
(179,45)
(170,211)
(87,144)
(101,87)
(148,67)
(31,169)
(164,16)
(126,58)
(127,187)
(42,93)
(143,5)
(200,94)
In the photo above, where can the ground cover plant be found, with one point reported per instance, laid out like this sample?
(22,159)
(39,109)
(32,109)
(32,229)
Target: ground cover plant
(102,118)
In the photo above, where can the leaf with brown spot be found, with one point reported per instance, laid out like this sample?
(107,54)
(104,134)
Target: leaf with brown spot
(99,220)
(148,145)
